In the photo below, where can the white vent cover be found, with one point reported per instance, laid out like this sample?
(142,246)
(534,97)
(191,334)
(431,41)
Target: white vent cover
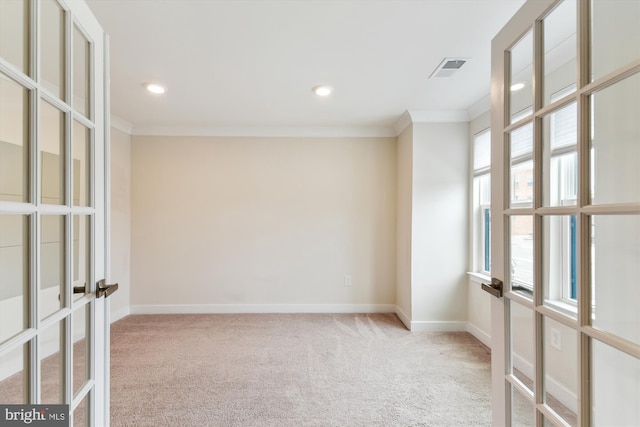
(448,67)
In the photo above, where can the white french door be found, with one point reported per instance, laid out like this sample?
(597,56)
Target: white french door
(565,231)
(52,208)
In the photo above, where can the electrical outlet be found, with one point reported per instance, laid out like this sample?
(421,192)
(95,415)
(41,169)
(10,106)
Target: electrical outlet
(556,339)
(347,280)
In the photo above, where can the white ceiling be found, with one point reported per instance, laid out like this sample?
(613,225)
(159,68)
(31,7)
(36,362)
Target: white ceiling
(251,64)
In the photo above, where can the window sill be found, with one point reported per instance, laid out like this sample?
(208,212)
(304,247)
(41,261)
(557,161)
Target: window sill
(478,278)
(566,308)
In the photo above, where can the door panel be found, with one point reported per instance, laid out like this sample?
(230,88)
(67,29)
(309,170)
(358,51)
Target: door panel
(566,215)
(16,29)
(521,70)
(52,39)
(615,148)
(14,140)
(52,264)
(52,363)
(615,252)
(14,294)
(14,374)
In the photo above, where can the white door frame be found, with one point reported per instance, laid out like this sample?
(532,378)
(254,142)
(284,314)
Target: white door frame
(510,34)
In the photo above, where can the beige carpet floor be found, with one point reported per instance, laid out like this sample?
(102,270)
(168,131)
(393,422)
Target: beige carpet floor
(294,370)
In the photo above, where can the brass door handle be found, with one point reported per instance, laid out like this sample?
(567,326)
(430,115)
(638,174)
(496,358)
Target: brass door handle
(104,290)
(495,288)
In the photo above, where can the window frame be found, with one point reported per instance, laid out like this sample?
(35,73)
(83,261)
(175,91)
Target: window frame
(480,209)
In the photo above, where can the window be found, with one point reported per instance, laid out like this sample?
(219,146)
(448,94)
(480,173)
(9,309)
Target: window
(521,226)
(559,188)
(481,215)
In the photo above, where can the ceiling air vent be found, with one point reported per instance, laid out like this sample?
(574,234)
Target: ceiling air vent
(448,67)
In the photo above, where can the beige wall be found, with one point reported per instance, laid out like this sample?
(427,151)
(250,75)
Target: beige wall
(245,221)
(120,251)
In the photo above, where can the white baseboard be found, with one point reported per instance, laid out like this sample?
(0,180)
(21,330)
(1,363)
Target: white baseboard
(430,326)
(438,326)
(261,308)
(403,317)
(481,335)
(417,326)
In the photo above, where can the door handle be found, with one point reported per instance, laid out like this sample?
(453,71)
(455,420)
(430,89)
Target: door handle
(495,288)
(104,290)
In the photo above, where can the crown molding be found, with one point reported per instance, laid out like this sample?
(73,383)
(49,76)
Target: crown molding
(403,122)
(121,124)
(429,116)
(407,118)
(265,131)
(482,106)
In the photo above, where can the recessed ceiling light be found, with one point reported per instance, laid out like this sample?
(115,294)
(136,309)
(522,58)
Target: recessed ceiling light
(322,90)
(155,88)
(516,86)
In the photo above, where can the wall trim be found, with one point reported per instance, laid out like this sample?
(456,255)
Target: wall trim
(267,131)
(429,116)
(480,335)
(403,122)
(121,124)
(480,107)
(261,308)
(403,317)
(438,326)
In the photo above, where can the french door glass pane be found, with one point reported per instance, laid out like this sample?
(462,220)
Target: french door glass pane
(80,72)
(615,35)
(560,161)
(81,342)
(14,141)
(615,246)
(521,173)
(522,412)
(81,245)
(615,142)
(80,418)
(14,275)
(522,185)
(560,353)
(81,164)
(559,263)
(14,33)
(52,265)
(52,153)
(560,49)
(52,364)
(52,37)
(521,96)
(521,254)
(615,387)
(14,376)
(521,338)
